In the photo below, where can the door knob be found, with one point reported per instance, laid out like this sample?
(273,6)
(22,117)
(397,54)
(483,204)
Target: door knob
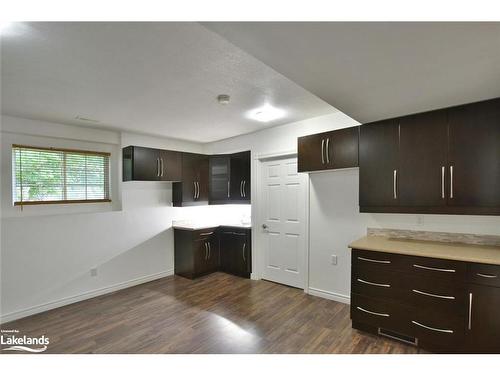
(264,226)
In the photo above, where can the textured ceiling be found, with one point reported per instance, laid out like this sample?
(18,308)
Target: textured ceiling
(379,70)
(153,78)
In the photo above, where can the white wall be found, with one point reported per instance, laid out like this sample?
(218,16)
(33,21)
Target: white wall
(334,219)
(47,252)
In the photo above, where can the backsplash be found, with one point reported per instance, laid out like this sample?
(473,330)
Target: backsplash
(466,238)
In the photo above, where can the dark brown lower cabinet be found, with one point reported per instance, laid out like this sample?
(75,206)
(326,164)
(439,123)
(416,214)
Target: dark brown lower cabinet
(235,250)
(196,252)
(200,252)
(442,306)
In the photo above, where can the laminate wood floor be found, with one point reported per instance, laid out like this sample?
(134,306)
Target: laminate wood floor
(218,313)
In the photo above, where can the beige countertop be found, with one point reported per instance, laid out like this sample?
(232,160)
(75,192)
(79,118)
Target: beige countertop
(441,250)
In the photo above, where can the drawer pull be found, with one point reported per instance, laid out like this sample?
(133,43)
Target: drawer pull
(372,312)
(375,260)
(206,234)
(374,284)
(432,295)
(432,329)
(488,276)
(433,268)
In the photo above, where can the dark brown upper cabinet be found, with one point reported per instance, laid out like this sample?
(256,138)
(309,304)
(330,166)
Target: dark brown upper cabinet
(240,177)
(474,159)
(443,162)
(421,175)
(149,164)
(193,189)
(378,164)
(330,150)
(229,178)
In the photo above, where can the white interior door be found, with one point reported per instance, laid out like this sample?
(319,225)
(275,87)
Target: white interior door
(283,220)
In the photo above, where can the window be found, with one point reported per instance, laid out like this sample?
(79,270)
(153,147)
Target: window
(50,175)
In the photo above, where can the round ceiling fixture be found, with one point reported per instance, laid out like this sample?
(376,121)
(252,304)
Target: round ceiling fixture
(223,99)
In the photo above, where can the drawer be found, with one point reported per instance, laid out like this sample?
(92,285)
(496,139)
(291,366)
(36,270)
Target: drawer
(376,259)
(440,296)
(203,233)
(371,282)
(484,274)
(437,332)
(380,314)
(437,269)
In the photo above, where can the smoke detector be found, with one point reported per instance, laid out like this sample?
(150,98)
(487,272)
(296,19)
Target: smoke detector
(223,99)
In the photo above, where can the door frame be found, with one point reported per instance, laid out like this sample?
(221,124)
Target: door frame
(258,235)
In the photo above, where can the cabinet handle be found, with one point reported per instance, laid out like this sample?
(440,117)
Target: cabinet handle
(470,312)
(244,245)
(206,234)
(395,184)
(372,312)
(209,250)
(244,188)
(433,268)
(432,295)
(451,181)
(197,190)
(374,284)
(206,251)
(241,188)
(157,167)
(374,260)
(194,194)
(228,195)
(323,151)
(327,151)
(488,276)
(161,163)
(442,182)
(431,328)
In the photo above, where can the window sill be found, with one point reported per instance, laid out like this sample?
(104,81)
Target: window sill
(62,202)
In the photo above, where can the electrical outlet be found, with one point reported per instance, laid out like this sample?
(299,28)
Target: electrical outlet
(334,260)
(93,272)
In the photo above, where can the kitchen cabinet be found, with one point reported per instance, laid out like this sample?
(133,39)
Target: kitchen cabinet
(330,150)
(378,165)
(149,164)
(193,189)
(229,178)
(483,325)
(443,162)
(219,182)
(440,305)
(474,159)
(235,251)
(240,177)
(421,178)
(196,252)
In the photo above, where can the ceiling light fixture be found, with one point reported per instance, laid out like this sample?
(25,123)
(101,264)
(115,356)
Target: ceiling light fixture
(266,113)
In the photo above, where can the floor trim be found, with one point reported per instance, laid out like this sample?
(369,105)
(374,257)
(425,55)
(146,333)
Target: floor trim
(330,295)
(83,296)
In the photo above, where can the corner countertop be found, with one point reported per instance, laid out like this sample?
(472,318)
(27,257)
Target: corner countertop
(190,225)
(442,250)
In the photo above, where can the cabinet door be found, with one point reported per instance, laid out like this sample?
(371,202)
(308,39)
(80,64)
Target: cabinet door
(201,263)
(227,243)
(474,144)
(213,253)
(311,153)
(146,164)
(240,176)
(219,170)
(202,178)
(189,178)
(342,150)
(170,165)
(483,329)
(378,164)
(422,159)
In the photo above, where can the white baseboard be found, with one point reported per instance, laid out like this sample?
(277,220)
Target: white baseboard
(329,295)
(83,296)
